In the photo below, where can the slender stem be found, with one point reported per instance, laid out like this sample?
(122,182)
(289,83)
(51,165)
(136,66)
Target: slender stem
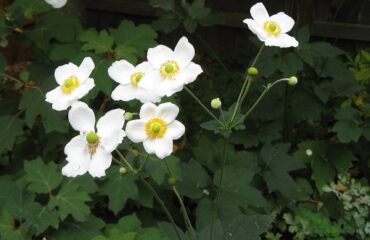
(215,202)
(161,203)
(222,115)
(214,55)
(183,208)
(202,105)
(125,161)
(246,80)
(267,88)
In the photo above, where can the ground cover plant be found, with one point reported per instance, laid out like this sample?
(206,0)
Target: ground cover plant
(110,134)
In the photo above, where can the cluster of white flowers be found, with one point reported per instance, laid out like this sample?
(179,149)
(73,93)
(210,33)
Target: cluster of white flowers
(165,72)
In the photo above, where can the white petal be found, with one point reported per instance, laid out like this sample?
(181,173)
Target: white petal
(284,21)
(148,111)
(54,95)
(56,3)
(100,161)
(63,102)
(144,67)
(124,93)
(149,145)
(184,52)
(190,73)
(135,130)
(256,29)
(110,142)
(167,111)
(282,40)
(84,88)
(175,130)
(85,69)
(151,81)
(76,145)
(78,164)
(111,121)
(163,147)
(158,55)
(169,87)
(63,72)
(121,71)
(81,117)
(259,13)
(147,96)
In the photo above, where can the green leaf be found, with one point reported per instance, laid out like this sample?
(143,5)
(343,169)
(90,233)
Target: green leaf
(102,80)
(71,201)
(130,223)
(99,42)
(324,49)
(56,25)
(164,4)
(139,37)
(126,52)
(42,178)
(119,187)
(159,169)
(8,231)
(40,217)
(11,128)
(247,227)
(29,7)
(166,23)
(280,164)
(79,230)
(346,128)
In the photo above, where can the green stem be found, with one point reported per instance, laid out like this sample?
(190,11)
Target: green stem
(267,88)
(202,105)
(126,162)
(215,202)
(243,91)
(161,203)
(182,205)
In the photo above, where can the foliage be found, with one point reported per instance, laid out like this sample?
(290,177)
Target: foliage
(280,160)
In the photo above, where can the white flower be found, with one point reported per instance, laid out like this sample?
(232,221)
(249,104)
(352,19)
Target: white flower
(156,128)
(173,69)
(131,81)
(91,151)
(56,3)
(74,83)
(271,30)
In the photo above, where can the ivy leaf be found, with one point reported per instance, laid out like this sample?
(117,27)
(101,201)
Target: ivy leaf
(139,37)
(43,178)
(119,187)
(99,42)
(280,164)
(71,201)
(247,227)
(11,128)
(79,230)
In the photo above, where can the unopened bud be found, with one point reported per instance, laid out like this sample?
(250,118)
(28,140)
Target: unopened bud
(252,71)
(171,181)
(293,81)
(122,170)
(216,103)
(128,116)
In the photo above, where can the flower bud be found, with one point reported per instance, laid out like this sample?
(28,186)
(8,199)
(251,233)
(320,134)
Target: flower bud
(293,81)
(216,103)
(128,116)
(171,181)
(122,170)
(252,71)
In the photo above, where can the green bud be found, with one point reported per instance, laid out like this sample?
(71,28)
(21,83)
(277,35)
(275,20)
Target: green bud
(252,71)
(216,103)
(293,81)
(122,170)
(92,138)
(171,181)
(129,116)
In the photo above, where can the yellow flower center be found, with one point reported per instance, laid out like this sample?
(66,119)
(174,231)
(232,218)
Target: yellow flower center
(70,84)
(169,69)
(135,78)
(272,27)
(156,128)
